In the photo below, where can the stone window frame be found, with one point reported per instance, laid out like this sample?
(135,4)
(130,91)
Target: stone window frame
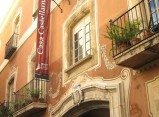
(31,63)
(12,77)
(80,11)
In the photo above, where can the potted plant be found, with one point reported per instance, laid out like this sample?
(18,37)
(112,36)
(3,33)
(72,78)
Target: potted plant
(119,36)
(5,111)
(124,37)
(35,94)
(133,28)
(41,100)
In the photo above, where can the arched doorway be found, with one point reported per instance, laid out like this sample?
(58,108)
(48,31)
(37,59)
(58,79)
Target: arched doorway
(90,109)
(93,97)
(101,112)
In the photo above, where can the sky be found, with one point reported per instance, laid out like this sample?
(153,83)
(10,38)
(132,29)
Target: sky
(4,7)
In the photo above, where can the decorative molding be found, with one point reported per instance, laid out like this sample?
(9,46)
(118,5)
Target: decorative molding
(152,88)
(79,3)
(108,64)
(50,107)
(18,13)
(13,70)
(50,91)
(85,88)
(77,94)
(125,73)
(12,74)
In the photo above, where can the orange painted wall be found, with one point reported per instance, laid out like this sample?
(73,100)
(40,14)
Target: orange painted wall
(106,10)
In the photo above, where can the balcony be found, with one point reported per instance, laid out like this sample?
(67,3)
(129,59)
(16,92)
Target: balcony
(135,37)
(11,46)
(30,99)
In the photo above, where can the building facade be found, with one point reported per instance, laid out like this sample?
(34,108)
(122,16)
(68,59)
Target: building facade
(103,60)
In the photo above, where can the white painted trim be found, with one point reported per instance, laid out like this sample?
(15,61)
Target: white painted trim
(151,106)
(4,63)
(13,73)
(75,11)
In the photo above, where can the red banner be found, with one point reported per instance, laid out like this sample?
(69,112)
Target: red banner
(42,44)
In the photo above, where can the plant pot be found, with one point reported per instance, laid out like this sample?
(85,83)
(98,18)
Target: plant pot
(41,100)
(147,34)
(34,99)
(28,101)
(134,41)
(122,47)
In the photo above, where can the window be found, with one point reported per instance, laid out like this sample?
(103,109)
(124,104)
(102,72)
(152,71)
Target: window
(81,39)
(154,8)
(16,29)
(10,97)
(16,24)
(31,65)
(11,90)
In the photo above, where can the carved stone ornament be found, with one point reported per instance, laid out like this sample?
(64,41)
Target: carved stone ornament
(13,70)
(79,3)
(50,91)
(77,94)
(88,89)
(108,64)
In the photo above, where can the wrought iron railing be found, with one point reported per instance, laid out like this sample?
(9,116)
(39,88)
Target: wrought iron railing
(34,91)
(131,28)
(11,46)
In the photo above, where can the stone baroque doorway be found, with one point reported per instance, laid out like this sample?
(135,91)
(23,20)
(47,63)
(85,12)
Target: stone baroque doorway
(88,94)
(90,109)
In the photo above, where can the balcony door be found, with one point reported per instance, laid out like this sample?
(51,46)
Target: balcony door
(16,29)
(11,92)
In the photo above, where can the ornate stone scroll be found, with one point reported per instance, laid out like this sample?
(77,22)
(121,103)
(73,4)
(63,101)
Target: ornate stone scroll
(108,64)
(77,94)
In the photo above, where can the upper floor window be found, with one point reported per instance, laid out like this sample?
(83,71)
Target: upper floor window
(11,90)
(81,39)
(154,8)
(17,24)
(16,30)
